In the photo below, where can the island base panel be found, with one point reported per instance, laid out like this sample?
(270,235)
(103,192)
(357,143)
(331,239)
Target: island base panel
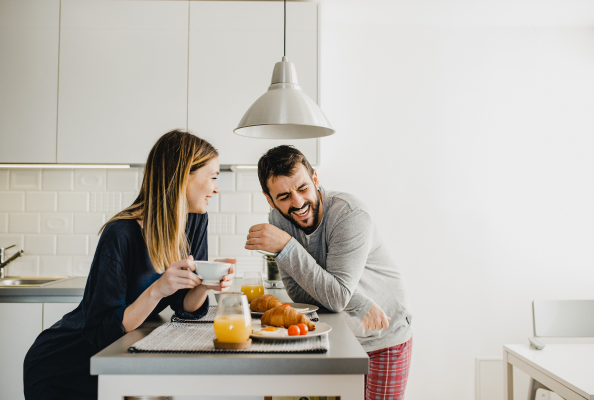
(115,387)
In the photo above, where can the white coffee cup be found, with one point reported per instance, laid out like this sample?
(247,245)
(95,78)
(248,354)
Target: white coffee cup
(211,272)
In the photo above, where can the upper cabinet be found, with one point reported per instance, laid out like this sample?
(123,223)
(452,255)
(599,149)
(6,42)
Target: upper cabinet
(123,78)
(233,49)
(29,34)
(126,72)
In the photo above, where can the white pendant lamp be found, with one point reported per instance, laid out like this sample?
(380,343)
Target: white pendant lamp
(284,112)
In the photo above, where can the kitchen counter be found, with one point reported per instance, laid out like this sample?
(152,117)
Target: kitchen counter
(69,290)
(339,372)
(345,356)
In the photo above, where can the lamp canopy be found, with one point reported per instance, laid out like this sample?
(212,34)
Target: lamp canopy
(284,111)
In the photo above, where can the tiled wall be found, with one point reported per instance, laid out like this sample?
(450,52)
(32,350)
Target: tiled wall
(55,215)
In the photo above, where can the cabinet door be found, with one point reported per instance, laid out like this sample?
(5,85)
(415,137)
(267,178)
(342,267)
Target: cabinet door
(20,326)
(28,80)
(123,78)
(233,49)
(53,312)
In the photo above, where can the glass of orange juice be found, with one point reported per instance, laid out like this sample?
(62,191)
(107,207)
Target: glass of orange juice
(232,321)
(252,285)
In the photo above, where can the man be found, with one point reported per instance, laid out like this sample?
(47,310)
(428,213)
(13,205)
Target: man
(329,254)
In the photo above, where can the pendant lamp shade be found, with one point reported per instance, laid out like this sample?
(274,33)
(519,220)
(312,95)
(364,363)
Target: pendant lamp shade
(284,112)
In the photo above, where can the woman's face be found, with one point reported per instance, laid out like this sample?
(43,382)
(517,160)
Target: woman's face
(202,184)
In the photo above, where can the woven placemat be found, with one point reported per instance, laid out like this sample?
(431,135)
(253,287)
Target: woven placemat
(212,311)
(174,337)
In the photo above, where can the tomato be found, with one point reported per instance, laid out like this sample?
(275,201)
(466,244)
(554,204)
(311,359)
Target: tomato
(294,330)
(303,329)
(286,304)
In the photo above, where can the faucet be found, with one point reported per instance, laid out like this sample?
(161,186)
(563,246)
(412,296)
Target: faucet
(4,263)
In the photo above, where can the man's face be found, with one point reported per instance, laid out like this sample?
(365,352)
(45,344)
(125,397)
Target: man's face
(297,198)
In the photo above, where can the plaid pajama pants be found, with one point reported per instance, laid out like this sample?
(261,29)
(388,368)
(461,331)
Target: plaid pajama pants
(388,372)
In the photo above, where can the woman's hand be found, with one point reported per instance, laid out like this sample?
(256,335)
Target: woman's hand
(179,275)
(227,280)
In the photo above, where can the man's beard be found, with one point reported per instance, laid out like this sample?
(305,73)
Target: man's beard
(312,225)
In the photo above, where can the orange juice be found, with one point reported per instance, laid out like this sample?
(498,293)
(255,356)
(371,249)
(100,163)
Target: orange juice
(232,328)
(253,291)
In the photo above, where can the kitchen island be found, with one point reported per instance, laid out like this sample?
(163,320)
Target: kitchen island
(339,372)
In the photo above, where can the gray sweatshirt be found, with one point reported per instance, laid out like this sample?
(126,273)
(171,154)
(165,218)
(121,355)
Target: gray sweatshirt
(345,267)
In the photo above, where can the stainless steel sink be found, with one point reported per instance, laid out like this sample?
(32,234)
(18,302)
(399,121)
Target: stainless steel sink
(22,281)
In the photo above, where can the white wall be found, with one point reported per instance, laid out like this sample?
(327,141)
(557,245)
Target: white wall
(467,128)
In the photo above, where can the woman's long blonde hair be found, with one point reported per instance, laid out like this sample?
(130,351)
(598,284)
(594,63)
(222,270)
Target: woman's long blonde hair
(162,204)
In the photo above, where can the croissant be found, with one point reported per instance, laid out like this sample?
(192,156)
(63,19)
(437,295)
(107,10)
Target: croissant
(286,316)
(264,303)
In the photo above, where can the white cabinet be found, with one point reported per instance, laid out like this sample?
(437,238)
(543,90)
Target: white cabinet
(28,80)
(53,312)
(233,49)
(123,78)
(20,325)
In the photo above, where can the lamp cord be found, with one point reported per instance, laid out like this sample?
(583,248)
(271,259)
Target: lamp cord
(284,24)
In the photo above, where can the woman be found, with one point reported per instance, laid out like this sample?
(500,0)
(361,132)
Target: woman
(143,263)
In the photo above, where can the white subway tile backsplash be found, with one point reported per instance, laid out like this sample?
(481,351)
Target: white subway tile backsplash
(109,202)
(81,265)
(72,245)
(248,182)
(92,244)
(90,180)
(40,201)
(127,199)
(26,179)
(24,223)
(12,201)
(24,266)
(121,179)
(40,244)
(57,179)
(213,245)
(4,174)
(56,266)
(57,223)
(243,222)
(87,223)
(3,223)
(9,240)
(55,216)
(260,203)
(73,201)
(236,202)
(232,246)
(249,264)
(213,204)
(221,224)
(226,181)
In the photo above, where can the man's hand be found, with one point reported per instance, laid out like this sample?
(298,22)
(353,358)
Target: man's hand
(375,319)
(267,237)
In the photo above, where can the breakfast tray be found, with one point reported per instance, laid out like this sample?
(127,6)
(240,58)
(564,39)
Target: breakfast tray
(175,337)
(212,311)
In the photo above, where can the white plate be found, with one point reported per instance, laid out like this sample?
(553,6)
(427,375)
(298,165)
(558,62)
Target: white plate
(301,307)
(281,334)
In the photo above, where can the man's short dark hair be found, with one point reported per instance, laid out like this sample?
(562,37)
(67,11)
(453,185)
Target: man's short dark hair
(280,161)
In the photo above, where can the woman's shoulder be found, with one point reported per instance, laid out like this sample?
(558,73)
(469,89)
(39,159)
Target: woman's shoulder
(120,231)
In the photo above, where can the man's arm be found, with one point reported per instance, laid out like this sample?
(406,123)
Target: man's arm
(296,293)
(334,288)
